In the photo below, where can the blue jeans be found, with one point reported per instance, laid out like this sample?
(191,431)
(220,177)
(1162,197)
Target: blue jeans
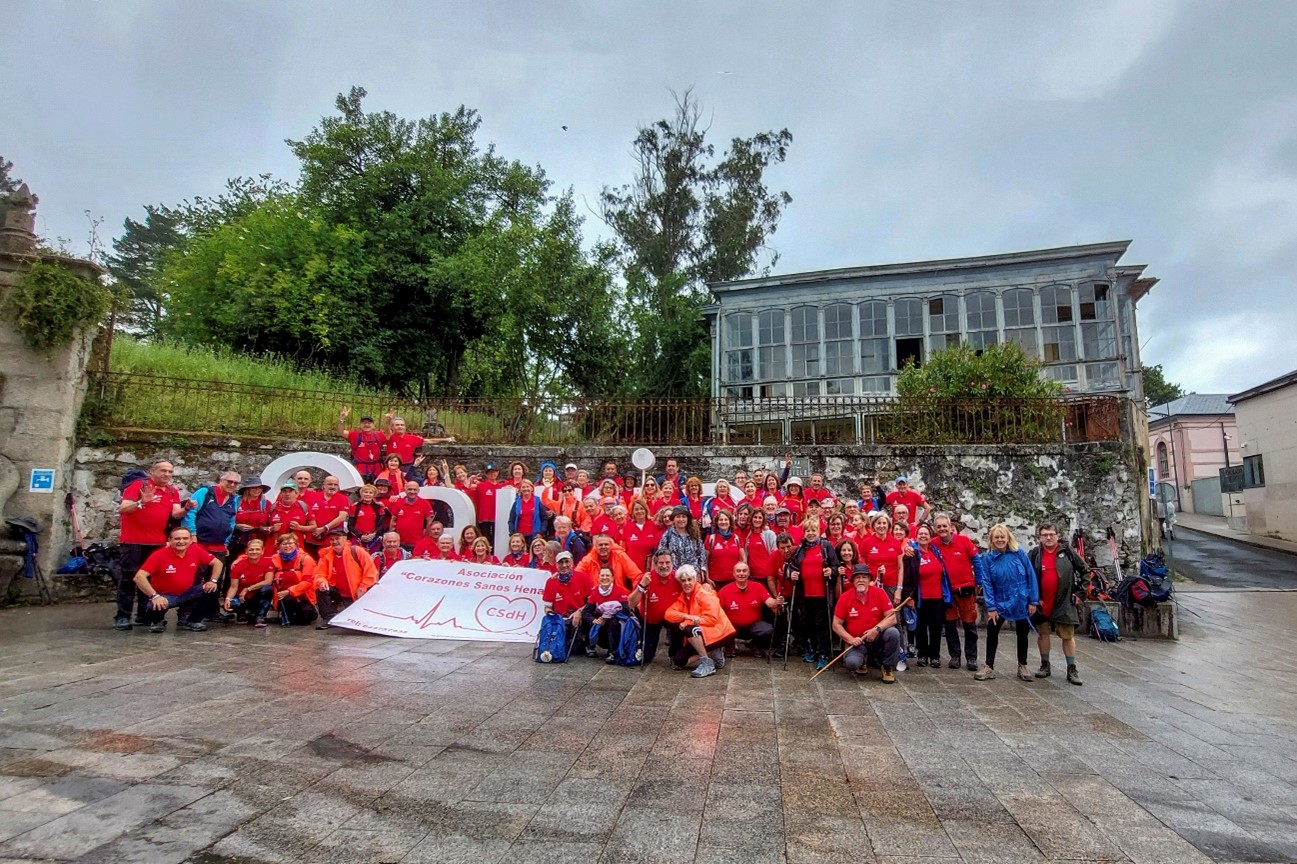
(884,651)
(192,605)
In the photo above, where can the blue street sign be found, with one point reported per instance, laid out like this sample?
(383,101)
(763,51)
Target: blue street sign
(42,480)
(1152,483)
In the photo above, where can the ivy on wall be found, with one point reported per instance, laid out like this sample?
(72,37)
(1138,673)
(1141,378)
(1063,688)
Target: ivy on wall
(51,303)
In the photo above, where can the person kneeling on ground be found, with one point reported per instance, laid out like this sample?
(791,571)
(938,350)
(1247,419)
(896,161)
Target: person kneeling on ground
(565,594)
(172,576)
(653,597)
(697,613)
(252,584)
(744,603)
(294,600)
(602,605)
(342,576)
(865,620)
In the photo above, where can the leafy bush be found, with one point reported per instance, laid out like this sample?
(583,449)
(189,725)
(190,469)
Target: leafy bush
(1000,371)
(51,303)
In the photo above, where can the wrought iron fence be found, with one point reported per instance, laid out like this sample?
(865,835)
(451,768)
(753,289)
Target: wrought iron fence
(125,402)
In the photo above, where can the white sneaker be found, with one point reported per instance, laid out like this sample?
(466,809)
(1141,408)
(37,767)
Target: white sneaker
(704,668)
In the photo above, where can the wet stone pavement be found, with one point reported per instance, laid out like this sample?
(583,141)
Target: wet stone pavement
(298,746)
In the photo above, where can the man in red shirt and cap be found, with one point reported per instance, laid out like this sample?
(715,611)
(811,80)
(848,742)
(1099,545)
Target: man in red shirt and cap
(865,620)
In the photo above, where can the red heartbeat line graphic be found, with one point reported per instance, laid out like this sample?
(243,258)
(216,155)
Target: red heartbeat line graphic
(423,622)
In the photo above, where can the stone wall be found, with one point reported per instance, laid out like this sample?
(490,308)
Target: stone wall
(1090,485)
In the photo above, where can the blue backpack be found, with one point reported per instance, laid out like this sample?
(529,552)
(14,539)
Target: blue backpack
(1160,586)
(1102,627)
(551,644)
(628,651)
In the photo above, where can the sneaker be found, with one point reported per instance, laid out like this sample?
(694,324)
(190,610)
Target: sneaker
(1024,674)
(192,626)
(1043,671)
(717,656)
(122,622)
(901,665)
(704,668)
(986,674)
(260,622)
(590,652)
(821,661)
(953,664)
(971,665)
(922,662)
(321,624)
(808,657)
(888,677)
(1073,677)
(676,667)
(610,660)
(160,627)
(224,617)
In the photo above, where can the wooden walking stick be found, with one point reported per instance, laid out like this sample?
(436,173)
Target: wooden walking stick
(829,665)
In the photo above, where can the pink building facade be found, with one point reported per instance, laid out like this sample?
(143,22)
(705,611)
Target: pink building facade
(1189,441)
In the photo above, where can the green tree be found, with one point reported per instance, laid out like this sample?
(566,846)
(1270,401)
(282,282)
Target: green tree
(136,264)
(8,184)
(687,219)
(1158,390)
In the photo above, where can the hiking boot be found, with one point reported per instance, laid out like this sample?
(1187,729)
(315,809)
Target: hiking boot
(1043,671)
(160,627)
(986,674)
(808,657)
(1024,674)
(191,626)
(610,660)
(590,652)
(953,664)
(704,668)
(260,622)
(1073,677)
(888,677)
(122,622)
(821,661)
(971,665)
(922,662)
(717,656)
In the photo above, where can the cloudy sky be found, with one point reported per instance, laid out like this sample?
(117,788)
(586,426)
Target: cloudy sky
(921,129)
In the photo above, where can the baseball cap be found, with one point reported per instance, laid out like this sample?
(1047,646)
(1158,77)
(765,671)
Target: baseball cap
(560,556)
(902,479)
(284,486)
(337,529)
(366,419)
(490,466)
(783,510)
(570,466)
(794,481)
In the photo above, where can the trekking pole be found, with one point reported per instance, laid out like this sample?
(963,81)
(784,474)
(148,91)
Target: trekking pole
(643,630)
(1112,546)
(771,650)
(788,632)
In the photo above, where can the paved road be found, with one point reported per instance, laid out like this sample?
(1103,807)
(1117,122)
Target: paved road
(293,745)
(1225,563)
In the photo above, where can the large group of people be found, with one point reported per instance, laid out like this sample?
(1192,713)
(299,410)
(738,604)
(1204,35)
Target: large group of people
(764,560)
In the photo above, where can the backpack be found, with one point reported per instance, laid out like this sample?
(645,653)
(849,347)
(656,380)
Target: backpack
(627,651)
(1158,576)
(1098,589)
(1102,627)
(131,475)
(551,643)
(1135,591)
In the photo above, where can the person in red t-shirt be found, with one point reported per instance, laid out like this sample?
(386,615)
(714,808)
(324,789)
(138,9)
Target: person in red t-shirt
(391,478)
(252,578)
(816,491)
(291,514)
(924,579)
(723,549)
(602,604)
(960,555)
(171,577)
(390,554)
(565,595)
(252,519)
(911,498)
(329,510)
(428,544)
(746,604)
(369,519)
(147,506)
(409,513)
(406,444)
(366,443)
(541,557)
(484,499)
(640,535)
(480,552)
(813,562)
(305,493)
(865,620)
(651,599)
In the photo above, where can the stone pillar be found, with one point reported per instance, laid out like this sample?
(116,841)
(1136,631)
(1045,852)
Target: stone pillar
(40,393)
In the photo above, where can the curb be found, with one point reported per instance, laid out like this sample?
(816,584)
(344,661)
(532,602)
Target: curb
(1242,541)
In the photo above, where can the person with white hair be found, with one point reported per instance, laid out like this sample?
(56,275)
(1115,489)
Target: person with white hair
(698,615)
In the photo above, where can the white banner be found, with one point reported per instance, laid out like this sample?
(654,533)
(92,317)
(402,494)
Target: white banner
(451,600)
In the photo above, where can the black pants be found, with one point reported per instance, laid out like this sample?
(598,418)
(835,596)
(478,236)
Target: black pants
(970,640)
(653,632)
(295,610)
(812,626)
(609,632)
(130,598)
(932,618)
(256,604)
(330,602)
(759,634)
(680,657)
(993,640)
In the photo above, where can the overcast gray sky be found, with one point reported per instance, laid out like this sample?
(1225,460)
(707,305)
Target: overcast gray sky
(921,129)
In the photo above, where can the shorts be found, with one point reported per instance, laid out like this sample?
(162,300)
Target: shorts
(962,608)
(1064,631)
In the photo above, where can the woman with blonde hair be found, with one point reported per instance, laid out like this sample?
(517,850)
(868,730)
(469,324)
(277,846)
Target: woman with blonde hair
(1011,594)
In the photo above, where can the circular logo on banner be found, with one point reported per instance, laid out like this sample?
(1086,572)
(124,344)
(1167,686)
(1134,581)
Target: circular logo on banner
(498,614)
